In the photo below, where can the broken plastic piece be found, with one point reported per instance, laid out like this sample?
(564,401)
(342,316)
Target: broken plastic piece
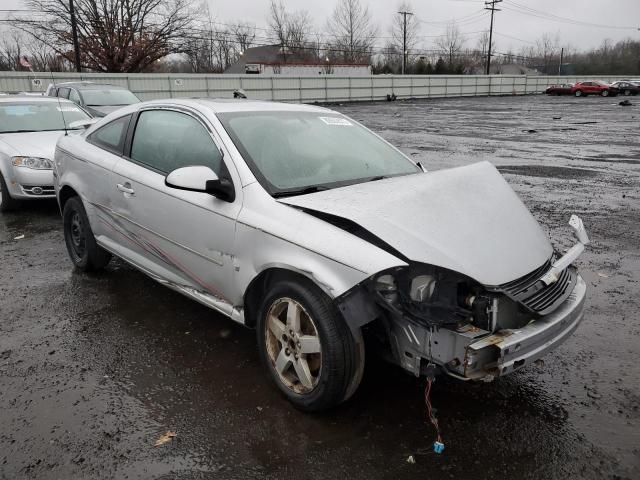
(438,447)
(581,233)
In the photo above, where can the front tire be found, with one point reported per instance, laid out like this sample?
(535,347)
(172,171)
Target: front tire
(83,250)
(605,93)
(306,346)
(7,203)
(627,93)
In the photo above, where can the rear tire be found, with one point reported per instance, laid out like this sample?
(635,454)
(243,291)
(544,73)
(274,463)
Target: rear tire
(578,93)
(83,250)
(605,93)
(7,203)
(318,372)
(627,93)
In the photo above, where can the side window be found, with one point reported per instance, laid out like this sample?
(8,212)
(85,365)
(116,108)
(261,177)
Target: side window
(165,140)
(53,92)
(63,92)
(74,97)
(111,137)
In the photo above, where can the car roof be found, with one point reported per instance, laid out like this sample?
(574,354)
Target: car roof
(32,99)
(223,105)
(89,85)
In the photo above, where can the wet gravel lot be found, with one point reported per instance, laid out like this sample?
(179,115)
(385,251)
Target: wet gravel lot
(94,368)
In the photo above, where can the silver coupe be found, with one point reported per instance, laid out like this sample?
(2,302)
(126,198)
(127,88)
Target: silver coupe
(301,223)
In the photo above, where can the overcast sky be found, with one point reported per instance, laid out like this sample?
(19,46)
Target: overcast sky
(514,28)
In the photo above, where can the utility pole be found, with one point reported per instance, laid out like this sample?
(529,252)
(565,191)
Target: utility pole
(561,58)
(490,5)
(404,39)
(74,33)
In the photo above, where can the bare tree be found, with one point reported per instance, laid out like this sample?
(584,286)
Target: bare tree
(547,47)
(244,35)
(290,30)
(298,26)
(451,43)
(353,31)
(397,28)
(42,58)
(114,35)
(10,51)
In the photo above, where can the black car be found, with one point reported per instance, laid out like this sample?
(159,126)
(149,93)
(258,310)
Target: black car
(627,87)
(98,99)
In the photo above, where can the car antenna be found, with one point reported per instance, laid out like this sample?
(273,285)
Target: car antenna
(53,82)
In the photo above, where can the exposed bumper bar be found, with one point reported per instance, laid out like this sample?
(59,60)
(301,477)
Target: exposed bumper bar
(508,350)
(572,254)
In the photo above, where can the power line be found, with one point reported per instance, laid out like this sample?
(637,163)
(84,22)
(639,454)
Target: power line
(525,10)
(514,38)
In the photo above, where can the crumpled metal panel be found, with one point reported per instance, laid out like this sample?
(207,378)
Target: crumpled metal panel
(466,219)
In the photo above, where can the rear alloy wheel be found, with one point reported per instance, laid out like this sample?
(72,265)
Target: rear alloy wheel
(306,346)
(7,203)
(627,93)
(83,250)
(578,93)
(604,93)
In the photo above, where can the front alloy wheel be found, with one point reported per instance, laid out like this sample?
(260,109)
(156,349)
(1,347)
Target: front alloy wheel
(293,345)
(306,345)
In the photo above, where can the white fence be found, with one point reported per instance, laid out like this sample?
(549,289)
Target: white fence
(299,89)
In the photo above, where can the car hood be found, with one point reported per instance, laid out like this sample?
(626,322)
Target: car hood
(466,219)
(33,144)
(102,111)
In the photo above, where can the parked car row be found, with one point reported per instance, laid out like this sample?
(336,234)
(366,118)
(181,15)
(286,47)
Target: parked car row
(301,223)
(596,87)
(30,125)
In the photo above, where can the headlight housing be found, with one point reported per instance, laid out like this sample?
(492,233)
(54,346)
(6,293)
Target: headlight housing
(35,163)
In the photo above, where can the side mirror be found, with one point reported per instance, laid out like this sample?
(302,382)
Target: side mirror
(201,179)
(82,123)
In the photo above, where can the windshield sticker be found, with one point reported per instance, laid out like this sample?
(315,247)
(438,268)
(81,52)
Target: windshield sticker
(338,121)
(68,109)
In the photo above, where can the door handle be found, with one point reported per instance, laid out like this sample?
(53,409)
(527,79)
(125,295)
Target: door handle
(126,188)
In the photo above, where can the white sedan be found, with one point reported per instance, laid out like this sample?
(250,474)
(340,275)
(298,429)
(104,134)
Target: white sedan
(29,129)
(303,224)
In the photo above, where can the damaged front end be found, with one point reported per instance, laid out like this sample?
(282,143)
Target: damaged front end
(431,315)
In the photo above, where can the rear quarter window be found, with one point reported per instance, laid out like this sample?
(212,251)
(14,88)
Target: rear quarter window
(111,136)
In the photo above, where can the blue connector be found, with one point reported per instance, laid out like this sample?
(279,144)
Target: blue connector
(438,447)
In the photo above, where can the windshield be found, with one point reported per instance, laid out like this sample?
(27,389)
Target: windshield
(108,97)
(300,152)
(38,116)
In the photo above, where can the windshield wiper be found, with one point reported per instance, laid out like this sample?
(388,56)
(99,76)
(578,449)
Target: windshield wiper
(301,191)
(20,131)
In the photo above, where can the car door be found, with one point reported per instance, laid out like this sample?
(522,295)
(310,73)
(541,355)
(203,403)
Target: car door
(183,238)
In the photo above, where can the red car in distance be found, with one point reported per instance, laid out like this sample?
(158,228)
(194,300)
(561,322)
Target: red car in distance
(595,87)
(562,89)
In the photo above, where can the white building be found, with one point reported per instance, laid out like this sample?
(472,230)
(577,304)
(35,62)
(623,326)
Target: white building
(269,60)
